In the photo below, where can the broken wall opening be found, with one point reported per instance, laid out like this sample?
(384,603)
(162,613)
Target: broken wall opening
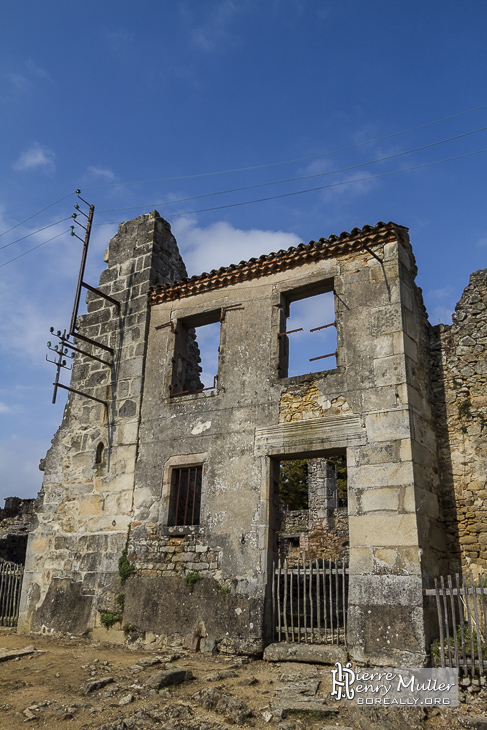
(196,354)
(312,506)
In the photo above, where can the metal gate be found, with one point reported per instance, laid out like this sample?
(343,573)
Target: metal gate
(10,588)
(309,601)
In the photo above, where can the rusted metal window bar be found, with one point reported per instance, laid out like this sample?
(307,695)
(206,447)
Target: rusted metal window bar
(185,497)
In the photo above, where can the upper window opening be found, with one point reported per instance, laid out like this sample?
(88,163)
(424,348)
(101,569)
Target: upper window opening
(185,496)
(308,337)
(196,354)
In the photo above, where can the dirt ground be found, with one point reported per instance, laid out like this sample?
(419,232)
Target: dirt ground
(48,688)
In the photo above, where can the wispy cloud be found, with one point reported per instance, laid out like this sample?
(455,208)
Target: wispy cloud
(4,408)
(35,156)
(37,71)
(102,172)
(482,242)
(214,33)
(120,41)
(29,73)
(442,293)
(220,244)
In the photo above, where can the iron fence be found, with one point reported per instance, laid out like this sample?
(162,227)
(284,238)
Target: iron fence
(462,623)
(309,602)
(10,588)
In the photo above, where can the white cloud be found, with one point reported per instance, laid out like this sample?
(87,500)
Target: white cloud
(35,156)
(220,244)
(102,172)
(4,408)
(482,242)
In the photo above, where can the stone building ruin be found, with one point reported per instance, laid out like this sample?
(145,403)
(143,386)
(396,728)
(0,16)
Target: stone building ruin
(178,481)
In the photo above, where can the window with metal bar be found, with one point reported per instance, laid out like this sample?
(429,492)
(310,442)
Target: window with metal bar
(185,496)
(308,336)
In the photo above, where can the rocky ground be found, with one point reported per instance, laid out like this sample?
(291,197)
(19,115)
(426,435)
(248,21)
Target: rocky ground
(75,683)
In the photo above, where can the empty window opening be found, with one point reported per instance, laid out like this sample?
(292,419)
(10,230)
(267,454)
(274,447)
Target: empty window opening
(99,453)
(195,363)
(312,506)
(309,337)
(185,496)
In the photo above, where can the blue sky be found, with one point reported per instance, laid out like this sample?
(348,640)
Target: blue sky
(102,93)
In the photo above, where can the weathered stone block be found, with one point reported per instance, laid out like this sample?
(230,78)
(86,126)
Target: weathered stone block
(383,530)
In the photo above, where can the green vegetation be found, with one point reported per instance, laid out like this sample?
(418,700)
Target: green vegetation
(125,567)
(470,644)
(293,483)
(192,578)
(464,408)
(108,619)
(121,601)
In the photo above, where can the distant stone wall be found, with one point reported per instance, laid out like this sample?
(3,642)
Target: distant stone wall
(460,381)
(298,542)
(16,520)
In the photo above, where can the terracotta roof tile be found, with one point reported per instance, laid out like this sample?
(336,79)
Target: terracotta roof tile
(280,261)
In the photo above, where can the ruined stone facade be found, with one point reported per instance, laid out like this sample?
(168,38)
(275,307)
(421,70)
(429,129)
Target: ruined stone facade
(460,380)
(185,485)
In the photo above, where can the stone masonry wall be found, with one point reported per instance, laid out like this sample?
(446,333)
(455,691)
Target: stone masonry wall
(86,507)
(460,380)
(164,552)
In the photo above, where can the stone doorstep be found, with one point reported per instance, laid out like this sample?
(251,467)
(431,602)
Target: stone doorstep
(17,653)
(308,653)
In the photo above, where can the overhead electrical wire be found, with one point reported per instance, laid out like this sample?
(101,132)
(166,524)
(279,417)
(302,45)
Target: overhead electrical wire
(310,190)
(33,248)
(295,179)
(6,245)
(38,213)
(272,197)
(275,182)
(254,167)
(288,162)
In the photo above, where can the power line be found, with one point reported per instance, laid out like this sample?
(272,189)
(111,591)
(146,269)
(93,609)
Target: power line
(255,167)
(289,162)
(310,190)
(34,248)
(273,197)
(34,214)
(294,179)
(34,232)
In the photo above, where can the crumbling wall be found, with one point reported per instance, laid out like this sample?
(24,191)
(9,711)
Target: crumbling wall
(85,504)
(460,381)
